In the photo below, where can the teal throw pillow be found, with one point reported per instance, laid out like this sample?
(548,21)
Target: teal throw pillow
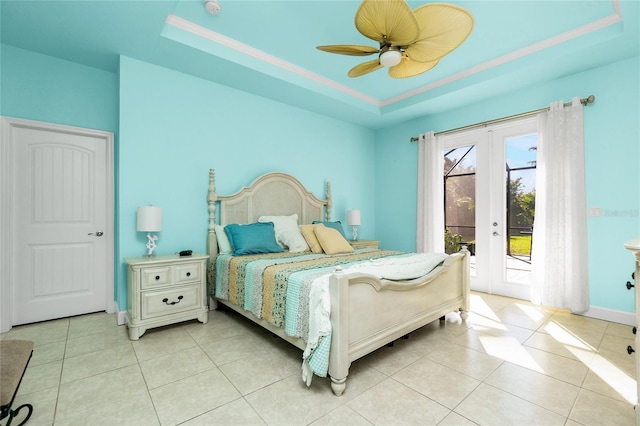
(253,238)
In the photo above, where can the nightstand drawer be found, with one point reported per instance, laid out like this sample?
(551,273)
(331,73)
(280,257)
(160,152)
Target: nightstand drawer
(186,273)
(154,277)
(170,301)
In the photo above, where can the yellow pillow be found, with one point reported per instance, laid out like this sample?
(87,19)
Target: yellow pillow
(310,238)
(332,241)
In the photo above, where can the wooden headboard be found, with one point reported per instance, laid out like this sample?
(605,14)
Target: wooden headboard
(272,194)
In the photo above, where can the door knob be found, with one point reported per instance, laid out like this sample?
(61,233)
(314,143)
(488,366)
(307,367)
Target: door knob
(495,234)
(97,233)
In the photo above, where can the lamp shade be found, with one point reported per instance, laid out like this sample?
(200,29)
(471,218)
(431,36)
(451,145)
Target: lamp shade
(149,219)
(353,217)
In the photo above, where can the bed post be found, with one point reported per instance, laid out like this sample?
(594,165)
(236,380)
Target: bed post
(212,243)
(339,353)
(328,213)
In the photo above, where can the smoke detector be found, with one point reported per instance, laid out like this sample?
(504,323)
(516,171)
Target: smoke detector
(212,6)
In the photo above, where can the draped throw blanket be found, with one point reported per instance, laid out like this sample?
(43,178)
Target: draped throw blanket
(315,358)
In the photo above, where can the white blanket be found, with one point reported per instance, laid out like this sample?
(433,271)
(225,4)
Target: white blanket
(405,267)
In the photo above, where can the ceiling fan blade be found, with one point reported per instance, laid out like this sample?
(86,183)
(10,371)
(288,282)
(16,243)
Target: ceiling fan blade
(443,27)
(365,68)
(408,68)
(349,49)
(393,19)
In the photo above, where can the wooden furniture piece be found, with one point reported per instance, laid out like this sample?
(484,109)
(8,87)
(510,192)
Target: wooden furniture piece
(373,244)
(14,359)
(366,312)
(165,289)
(634,247)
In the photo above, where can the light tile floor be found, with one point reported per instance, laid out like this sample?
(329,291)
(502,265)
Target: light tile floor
(511,363)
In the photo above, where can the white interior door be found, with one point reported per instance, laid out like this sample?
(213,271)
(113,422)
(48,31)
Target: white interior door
(62,230)
(481,167)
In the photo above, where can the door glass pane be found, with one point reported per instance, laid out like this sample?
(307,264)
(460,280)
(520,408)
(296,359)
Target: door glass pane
(460,200)
(520,175)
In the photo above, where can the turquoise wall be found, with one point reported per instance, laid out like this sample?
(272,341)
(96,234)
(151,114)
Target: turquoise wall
(42,88)
(612,150)
(175,127)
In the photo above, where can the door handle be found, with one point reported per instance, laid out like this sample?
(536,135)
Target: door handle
(97,233)
(495,234)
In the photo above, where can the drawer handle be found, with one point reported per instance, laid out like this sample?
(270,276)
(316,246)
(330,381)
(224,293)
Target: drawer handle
(629,285)
(630,350)
(634,329)
(165,300)
(188,274)
(157,277)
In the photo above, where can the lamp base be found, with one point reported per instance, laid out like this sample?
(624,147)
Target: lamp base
(151,244)
(355,234)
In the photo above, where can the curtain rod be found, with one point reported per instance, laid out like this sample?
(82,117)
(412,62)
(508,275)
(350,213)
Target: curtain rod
(584,101)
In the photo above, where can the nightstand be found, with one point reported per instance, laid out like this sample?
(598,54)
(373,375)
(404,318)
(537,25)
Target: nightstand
(358,244)
(165,289)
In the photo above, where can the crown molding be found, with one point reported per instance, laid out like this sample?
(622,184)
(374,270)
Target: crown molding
(260,55)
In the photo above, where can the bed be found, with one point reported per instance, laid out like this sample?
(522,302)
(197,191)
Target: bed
(366,310)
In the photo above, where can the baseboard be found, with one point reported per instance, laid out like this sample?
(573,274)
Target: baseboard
(112,307)
(621,317)
(121,317)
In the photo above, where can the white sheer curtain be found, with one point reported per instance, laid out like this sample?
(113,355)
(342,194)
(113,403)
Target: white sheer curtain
(559,258)
(430,209)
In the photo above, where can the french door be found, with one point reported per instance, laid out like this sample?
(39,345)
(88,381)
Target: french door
(490,200)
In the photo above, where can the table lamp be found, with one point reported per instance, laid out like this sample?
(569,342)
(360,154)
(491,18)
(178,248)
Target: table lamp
(150,220)
(353,219)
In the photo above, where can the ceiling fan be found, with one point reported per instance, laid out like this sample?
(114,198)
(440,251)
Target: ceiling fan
(411,41)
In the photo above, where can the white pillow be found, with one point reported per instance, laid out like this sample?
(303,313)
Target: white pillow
(287,232)
(224,245)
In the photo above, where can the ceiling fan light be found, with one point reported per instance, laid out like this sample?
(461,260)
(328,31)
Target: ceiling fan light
(390,58)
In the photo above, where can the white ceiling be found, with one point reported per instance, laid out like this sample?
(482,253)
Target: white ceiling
(268,48)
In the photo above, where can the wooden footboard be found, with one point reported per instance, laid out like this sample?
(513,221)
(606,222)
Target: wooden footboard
(367,313)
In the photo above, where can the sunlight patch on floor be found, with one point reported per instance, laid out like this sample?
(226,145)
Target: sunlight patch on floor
(614,377)
(509,349)
(482,317)
(481,323)
(531,312)
(619,381)
(480,307)
(565,337)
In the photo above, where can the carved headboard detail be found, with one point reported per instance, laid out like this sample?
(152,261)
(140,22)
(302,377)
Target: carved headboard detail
(272,194)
